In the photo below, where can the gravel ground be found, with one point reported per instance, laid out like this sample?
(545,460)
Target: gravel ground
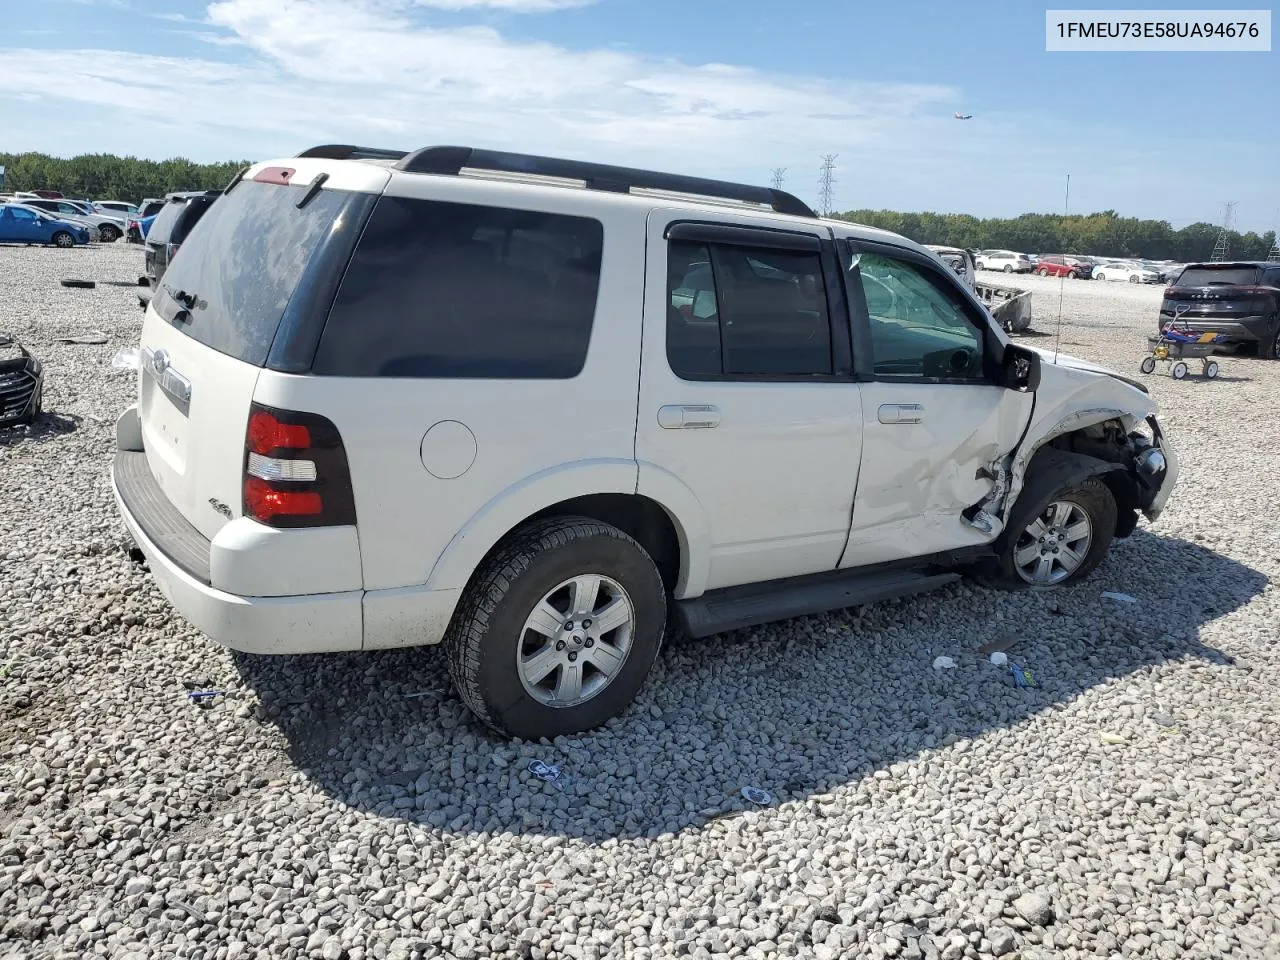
(347,807)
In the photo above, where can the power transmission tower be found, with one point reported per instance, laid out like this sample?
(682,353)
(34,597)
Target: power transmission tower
(1222,246)
(1274,255)
(778,174)
(827,183)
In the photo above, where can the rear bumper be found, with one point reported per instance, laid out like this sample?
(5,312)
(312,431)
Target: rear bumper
(1240,329)
(312,623)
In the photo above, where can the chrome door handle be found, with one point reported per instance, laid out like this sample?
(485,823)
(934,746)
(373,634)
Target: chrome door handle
(688,416)
(901,412)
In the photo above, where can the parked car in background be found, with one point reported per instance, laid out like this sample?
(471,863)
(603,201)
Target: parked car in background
(1007,260)
(139,225)
(1239,301)
(181,212)
(349,427)
(20,223)
(1061,265)
(1131,272)
(108,229)
(118,209)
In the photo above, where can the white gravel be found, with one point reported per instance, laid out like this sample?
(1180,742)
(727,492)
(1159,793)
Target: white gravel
(1128,806)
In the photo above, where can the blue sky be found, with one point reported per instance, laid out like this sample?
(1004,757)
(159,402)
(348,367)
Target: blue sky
(707,87)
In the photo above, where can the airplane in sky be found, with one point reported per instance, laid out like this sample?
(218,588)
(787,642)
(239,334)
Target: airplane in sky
(963,116)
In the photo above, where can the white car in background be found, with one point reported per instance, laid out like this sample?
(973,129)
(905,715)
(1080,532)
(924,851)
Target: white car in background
(117,209)
(1009,261)
(1126,271)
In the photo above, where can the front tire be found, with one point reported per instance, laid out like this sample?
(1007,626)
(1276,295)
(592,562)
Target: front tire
(558,629)
(1056,540)
(108,233)
(1133,279)
(63,239)
(1148,365)
(1042,272)
(1008,268)
(1072,275)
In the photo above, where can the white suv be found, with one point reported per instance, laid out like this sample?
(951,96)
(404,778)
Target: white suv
(1005,260)
(528,406)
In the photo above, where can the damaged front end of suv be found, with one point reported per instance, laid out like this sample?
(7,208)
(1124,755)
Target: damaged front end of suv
(1088,421)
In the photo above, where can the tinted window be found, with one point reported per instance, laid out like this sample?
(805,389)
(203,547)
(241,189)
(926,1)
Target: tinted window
(150,209)
(164,222)
(239,267)
(1272,277)
(1211,277)
(920,327)
(453,290)
(190,213)
(745,311)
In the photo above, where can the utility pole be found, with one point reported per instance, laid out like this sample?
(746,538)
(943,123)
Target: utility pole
(778,174)
(827,183)
(1222,246)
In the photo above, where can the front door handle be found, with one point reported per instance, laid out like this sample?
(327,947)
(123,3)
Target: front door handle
(901,412)
(688,416)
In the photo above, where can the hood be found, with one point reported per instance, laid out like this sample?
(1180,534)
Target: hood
(1075,363)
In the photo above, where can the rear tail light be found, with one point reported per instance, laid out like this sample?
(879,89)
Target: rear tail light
(295,470)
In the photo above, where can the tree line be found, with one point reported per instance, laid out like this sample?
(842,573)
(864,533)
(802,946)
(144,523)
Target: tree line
(1105,234)
(103,176)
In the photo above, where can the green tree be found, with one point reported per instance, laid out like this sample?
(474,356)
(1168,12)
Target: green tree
(102,176)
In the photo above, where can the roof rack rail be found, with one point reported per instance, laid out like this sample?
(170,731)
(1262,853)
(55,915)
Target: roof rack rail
(597,176)
(345,151)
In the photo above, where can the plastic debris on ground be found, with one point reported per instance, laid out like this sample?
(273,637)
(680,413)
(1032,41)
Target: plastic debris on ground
(418,695)
(79,284)
(1111,739)
(757,796)
(1121,597)
(550,773)
(201,696)
(93,338)
(999,658)
(127,358)
(944,663)
(1022,676)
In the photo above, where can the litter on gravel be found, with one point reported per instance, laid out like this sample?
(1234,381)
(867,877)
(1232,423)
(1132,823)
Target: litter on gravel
(126,358)
(1120,597)
(758,796)
(93,338)
(1022,676)
(79,284)
(1000,658)
(944,663)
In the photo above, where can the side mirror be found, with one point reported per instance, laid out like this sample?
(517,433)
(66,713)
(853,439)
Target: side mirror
(1020,369)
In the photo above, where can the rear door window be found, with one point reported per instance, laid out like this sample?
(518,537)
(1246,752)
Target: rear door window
(440,289)
(164,222)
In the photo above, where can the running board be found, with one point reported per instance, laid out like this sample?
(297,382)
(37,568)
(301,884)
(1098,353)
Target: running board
(733,608)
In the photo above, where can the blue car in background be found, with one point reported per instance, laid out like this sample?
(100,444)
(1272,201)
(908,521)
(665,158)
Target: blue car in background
(22,224)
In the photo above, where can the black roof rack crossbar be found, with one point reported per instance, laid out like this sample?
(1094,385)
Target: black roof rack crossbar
(345,151)
(597,176)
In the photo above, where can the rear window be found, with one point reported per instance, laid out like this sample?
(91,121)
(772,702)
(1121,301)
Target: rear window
(1211,277)
(238,268)
(164,222)
(453,290)
(188,217)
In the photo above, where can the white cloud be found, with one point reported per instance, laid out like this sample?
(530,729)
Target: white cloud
(508,6)
(275,76)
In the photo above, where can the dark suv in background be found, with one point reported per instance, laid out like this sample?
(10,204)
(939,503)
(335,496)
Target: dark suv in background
(180,213)
(1240,300)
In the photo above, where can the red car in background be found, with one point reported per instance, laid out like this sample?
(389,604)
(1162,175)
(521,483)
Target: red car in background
(1061,265)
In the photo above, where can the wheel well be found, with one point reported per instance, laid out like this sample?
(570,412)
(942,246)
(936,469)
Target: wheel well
(639,517)
(1109,441)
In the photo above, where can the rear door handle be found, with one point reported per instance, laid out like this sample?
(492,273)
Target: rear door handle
(688,416)
(901,412)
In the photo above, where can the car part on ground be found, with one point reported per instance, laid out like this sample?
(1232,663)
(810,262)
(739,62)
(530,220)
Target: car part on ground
(21,383)
(1010,306)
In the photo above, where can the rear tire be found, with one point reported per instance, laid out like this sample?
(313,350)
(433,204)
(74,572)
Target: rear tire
(491,645)
(108,233)
(1089,498)
(1072,275)
(1042,272)
(1180,370)
(63,239)
(1133,278)
(1270,349)
(1008,268)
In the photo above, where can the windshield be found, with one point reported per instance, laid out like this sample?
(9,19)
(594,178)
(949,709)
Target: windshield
(230,284)
(1218,276)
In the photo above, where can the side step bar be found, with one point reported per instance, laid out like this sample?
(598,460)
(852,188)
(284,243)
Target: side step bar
(734,608)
